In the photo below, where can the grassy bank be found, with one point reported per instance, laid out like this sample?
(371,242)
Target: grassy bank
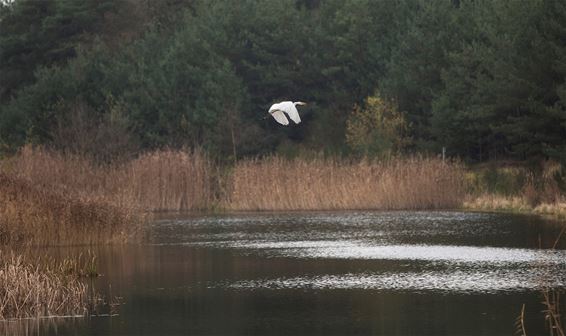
(517,189)
(518,203)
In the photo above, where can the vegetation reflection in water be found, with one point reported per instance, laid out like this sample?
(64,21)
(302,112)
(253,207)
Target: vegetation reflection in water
(309,273)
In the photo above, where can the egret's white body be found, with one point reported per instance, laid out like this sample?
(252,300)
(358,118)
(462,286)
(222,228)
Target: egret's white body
(278,112)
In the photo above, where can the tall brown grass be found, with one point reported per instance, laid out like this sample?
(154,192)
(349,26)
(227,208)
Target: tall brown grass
(183,180)
(51,198)
(328,184)
(32,291)
(554,304)
(169,180)
(160,180)
(34,215)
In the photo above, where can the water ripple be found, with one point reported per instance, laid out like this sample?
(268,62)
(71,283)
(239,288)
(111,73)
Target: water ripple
(493,281)
(443,253)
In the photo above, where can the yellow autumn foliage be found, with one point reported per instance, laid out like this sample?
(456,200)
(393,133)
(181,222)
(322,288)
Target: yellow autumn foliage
(376,128)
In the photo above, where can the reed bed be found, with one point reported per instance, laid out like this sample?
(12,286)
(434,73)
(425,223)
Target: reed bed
(50,198)
(185,180)
(159,180)
(31,215)
(170,180)
(329,184)
(28,291)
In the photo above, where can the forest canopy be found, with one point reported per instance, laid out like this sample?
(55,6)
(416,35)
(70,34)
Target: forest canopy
(484,79)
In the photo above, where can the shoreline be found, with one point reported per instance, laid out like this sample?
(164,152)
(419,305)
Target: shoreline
(517,205)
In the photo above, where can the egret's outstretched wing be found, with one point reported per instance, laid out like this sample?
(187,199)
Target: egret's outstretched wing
(293,113)
(280,117)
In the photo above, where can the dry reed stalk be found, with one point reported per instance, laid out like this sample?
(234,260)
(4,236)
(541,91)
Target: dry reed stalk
(552,311)
(327,184)
(520,323)
(28,291)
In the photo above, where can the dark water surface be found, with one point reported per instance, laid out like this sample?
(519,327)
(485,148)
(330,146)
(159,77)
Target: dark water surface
(348,273)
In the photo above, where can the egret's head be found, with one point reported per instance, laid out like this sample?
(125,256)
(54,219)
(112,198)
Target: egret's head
(300,103)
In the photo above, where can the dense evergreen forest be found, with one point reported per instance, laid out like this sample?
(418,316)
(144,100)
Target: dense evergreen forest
(484,79)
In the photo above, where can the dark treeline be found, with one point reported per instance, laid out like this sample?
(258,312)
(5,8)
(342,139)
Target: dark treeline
(485,79)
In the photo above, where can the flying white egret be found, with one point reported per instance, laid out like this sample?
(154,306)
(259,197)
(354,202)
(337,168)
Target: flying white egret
(276,110)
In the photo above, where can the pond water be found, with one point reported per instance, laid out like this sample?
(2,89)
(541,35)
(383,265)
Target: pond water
(343,273)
